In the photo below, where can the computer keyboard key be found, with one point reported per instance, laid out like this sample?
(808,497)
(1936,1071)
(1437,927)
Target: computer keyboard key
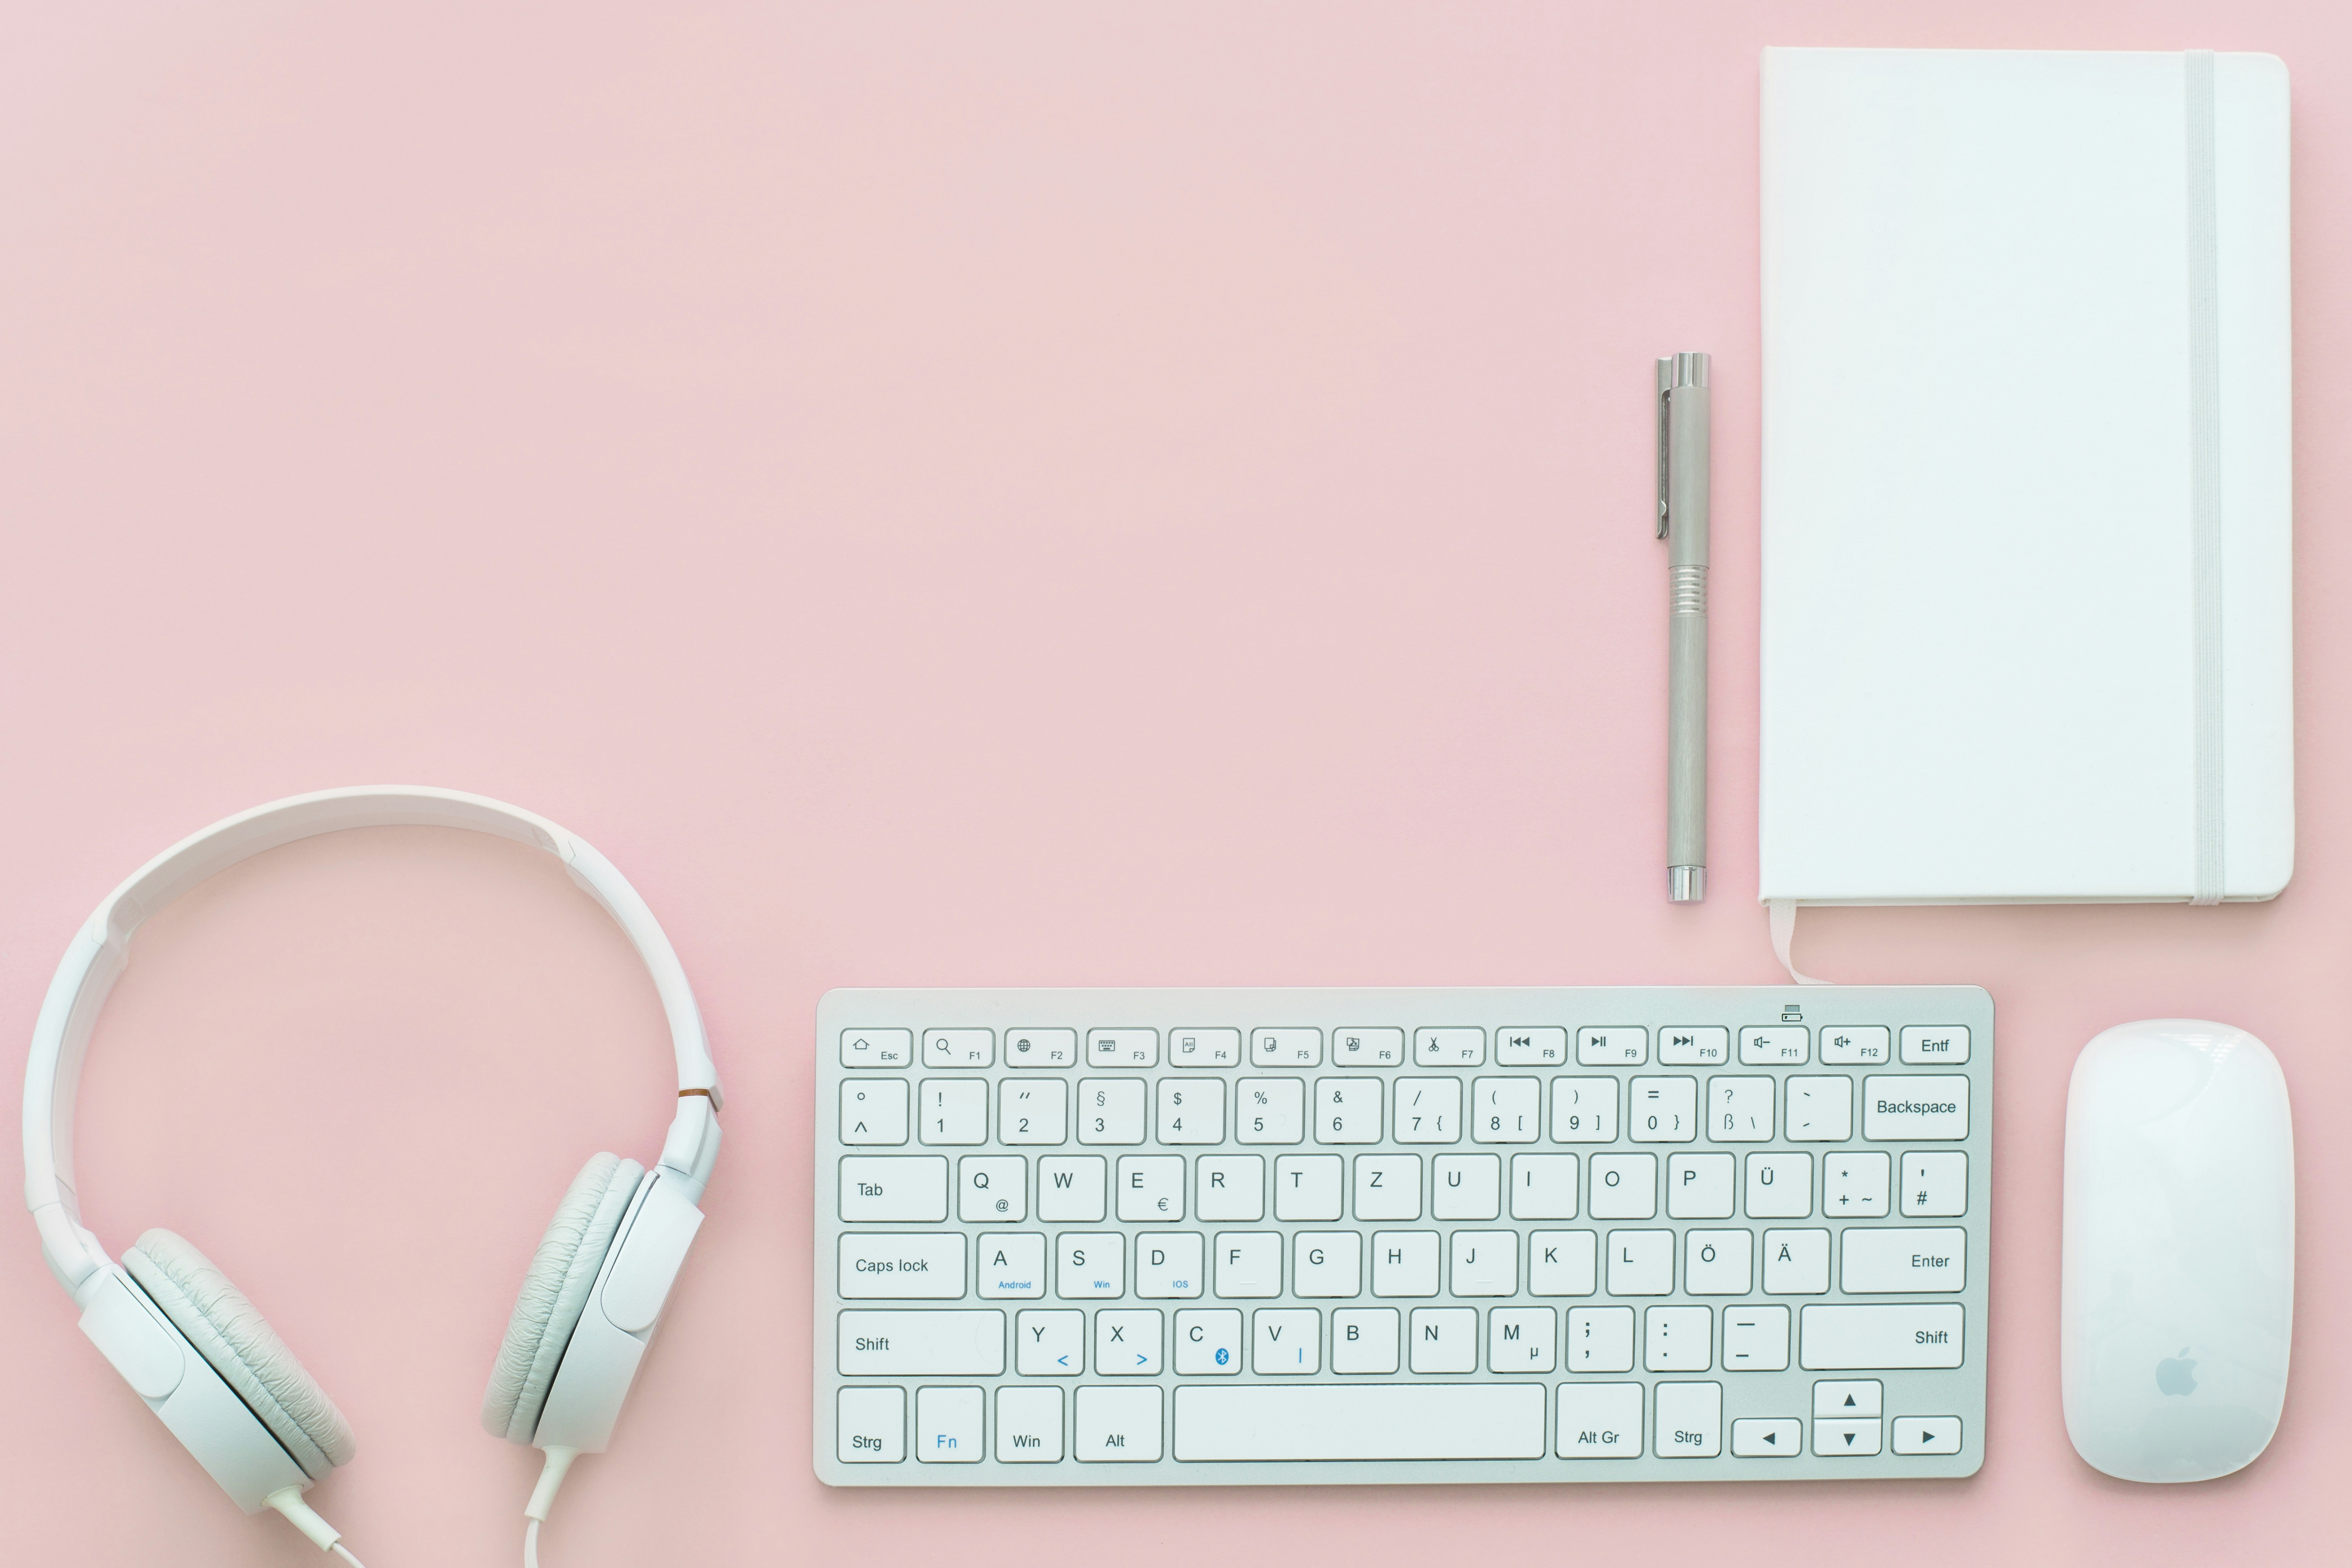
(1029,1426)
(1699,1186)
(958,1048)
(1248,1263)
(1428,1111)
(1229,1187)
(1935,1184)
(1388,1187)
(1695,1048)
(874,1110)
(1521,1339)
(1071,1188)
(1287,1047)
(1204,1047)
(1090,1266)
(1307,1187)
(1449,1048)
(1110,1110)
(1506,1110)
(1641,1262)
(1040,1048)
(1846,1439)
(1151,1187)
(1122,1048)
(1859,1047)
(1285,1341)
(1820,1110)
(1663,1109)
(1878,1262)
(1209,1342)
(1718,1262)
(1768,1437)
(876,1047)
(1836,1337)
(1601,1339)
(1543,1186)
(1327,1263)
(1405,1263)
(1689,1420)
(1539,1047)
(992,1189)
(1796,1262)
(1467,1186)
(1946,1045)
(1756,1339)
(906,1265)
(1049,1344)
(1561,1262)
(1009,1266)
(1584,1110)
(1624,1186)
(948,1426)
(1914,1108)
(1853,1184)
(1486,1263)
(1925,1434)
(1127,1342)
(1775,1046)
(952,1110)
(1849,1399)
(1119,1426)
(937,1343)
(1269,1110)
(1443,1339)
(1678,1339)
(1600,1421)
(1780,1186)
(1366,1047)
(1361,1421)
(1626,1047)
(1740,1110)
(894,1187)
(1364,1340)
(873,1427)
(1348,1110)
(1032,1111)
(1167,1265)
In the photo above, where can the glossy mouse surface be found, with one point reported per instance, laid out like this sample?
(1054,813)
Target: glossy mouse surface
(2179,1292)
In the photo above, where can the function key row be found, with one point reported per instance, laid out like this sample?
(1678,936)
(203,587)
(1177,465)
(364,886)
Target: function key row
(1607,1046)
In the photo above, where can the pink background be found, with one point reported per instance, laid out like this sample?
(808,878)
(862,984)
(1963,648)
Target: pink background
(1089,496)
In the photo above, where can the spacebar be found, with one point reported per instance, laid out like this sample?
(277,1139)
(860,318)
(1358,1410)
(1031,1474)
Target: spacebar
(1326,1421)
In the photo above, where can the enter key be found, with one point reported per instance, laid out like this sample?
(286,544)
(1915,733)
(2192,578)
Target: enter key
(1889,1262)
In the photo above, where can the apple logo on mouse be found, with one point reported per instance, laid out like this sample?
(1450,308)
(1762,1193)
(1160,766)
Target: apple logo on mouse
(2176,1374)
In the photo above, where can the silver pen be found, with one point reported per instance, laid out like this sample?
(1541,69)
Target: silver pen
(1681,523)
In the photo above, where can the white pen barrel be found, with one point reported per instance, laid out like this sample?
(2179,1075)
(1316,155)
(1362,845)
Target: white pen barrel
(1686,545)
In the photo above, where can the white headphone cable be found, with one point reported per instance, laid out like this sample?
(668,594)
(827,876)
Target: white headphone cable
(542,1498)
(340,1550)
(287,1501)
(531,1545)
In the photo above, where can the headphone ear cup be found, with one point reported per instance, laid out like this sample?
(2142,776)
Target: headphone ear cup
(241,1346)
(554,1293)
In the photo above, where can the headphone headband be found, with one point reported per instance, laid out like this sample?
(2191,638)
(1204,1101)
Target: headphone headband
(101,949)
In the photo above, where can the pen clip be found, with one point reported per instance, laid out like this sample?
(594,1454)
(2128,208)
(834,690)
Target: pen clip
(1665,387)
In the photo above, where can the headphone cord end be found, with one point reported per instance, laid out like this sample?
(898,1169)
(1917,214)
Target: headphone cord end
(287,1501)
(542,1499)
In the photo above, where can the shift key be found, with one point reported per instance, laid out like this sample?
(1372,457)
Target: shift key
(922,1344)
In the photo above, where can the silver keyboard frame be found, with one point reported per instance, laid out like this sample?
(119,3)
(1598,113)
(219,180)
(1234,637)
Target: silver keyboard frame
(1957,1391)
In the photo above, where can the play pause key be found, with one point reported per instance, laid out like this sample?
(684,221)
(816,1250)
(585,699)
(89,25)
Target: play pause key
(1763,1439)
(1927,1434)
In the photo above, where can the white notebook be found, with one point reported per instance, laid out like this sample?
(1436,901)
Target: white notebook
(2027,502)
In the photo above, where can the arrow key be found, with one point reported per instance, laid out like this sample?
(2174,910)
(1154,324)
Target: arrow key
(1847,1400)
(1778,1437)
(1845,1439)
(1927,1434)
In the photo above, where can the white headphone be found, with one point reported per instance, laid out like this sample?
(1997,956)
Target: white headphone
(196,1350)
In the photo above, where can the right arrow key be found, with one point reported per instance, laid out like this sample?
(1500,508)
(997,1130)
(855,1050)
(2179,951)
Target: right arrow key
(1927,1434)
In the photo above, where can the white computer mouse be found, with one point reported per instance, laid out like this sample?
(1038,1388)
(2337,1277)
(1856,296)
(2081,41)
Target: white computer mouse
(2179,1289)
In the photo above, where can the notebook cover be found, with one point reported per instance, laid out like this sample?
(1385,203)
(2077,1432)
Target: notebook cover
(1978,633)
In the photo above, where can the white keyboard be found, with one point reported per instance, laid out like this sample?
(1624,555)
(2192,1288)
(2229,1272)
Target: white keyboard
(1185,1237)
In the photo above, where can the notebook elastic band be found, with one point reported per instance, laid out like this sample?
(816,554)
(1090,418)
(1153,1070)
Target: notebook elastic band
(2205,469)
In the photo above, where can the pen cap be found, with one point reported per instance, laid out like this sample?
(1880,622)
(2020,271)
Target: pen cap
(1684,427)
